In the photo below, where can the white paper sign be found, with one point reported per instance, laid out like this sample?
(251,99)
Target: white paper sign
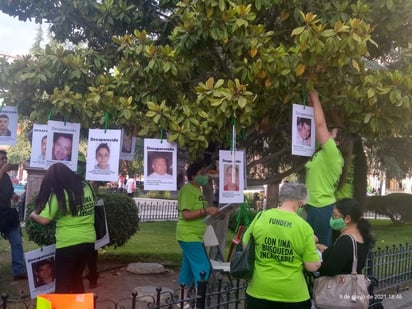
(8,125)
(40,267)
(103,151)
(303,131)
(231,176)
(160,165)
(128,146)
(63,143)
(39,145)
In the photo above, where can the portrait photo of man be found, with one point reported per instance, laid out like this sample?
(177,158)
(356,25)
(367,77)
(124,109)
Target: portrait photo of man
(4,125)
(159,166)
(303,131)
(43,272)
(62,146)
(43,147)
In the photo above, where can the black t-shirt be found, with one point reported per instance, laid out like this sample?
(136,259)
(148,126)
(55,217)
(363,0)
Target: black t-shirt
(338,258)
(6,191)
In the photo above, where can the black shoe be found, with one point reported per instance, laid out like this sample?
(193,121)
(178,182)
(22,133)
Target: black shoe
(20,276)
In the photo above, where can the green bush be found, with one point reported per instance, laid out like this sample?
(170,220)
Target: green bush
(122,220)
(233,220)
(397,206)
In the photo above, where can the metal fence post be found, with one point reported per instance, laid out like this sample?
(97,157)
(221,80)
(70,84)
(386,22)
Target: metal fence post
(201,291)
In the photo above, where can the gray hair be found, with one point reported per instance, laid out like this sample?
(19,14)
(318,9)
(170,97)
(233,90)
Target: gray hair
(292,191)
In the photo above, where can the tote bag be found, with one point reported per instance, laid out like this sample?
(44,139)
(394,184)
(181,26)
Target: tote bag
(342,291)
(242,262)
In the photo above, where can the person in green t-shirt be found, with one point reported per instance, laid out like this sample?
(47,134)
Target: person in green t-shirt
(192,208)
(326,171)
(64,197)
(284,246)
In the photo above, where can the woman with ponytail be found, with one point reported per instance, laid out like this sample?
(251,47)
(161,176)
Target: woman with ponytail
(338,258)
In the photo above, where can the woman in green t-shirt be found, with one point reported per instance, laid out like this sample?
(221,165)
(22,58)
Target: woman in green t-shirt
(284,246)
(192,208)
(64,197)
(326,171)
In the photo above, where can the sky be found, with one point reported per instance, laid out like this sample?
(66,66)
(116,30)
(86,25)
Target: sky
(17,37)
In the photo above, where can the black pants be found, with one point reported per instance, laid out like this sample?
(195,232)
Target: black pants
(257,303)
(70,264)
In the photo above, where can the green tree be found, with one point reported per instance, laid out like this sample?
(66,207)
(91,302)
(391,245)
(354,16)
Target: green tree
(195,68)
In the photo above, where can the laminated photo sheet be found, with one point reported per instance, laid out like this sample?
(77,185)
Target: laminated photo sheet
(128,145)
(8,125)
(63,143)
(39,145)
(106,238)
(40,258)
(303,130)
(231,176)
(160,165)
(103,150)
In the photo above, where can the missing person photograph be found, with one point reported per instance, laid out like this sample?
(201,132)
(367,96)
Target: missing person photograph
(62,146)
(43,272)
(304,127)
(160,165)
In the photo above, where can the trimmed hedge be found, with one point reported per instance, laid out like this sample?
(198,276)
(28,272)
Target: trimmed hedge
(122,220)
(397,206)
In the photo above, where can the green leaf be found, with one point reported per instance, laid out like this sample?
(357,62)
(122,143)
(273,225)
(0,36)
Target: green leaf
(298,30)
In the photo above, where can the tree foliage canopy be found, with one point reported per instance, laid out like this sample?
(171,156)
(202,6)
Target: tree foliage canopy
(194,68)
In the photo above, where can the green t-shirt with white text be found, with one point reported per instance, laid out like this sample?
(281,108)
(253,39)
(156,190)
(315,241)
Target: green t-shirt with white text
(72,230)
(283,241)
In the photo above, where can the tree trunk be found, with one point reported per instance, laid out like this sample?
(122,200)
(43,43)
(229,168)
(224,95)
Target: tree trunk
(272,194)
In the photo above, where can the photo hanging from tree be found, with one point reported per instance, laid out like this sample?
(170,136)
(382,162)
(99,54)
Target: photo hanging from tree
(8,125)
(128,146)
(160,165)
(103,149)
(303,131)
(38,145)
(231,176)
(63,143)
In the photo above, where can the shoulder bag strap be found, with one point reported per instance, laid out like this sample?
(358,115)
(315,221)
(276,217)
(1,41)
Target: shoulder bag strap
(355,255)
(257,218)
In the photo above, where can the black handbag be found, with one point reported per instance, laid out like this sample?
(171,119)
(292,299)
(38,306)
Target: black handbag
(9,219)
(100,219)
(242,262)
(100,223)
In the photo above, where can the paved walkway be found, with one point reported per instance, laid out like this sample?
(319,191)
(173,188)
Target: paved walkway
(402,300)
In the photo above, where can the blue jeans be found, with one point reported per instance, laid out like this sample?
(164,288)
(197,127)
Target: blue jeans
(195,261)
(17,253)
(318,218)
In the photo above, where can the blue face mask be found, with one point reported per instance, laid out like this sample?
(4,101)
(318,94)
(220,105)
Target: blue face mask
(202,179)
(337,224)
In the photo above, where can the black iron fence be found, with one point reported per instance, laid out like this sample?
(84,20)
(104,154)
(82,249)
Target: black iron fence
(392,266)
(225,295)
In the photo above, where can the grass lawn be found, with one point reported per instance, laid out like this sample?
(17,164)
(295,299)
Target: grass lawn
(155,242)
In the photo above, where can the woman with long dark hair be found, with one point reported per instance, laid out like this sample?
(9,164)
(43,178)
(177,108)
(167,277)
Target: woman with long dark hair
(64,197)
(326,171)
(347,217)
